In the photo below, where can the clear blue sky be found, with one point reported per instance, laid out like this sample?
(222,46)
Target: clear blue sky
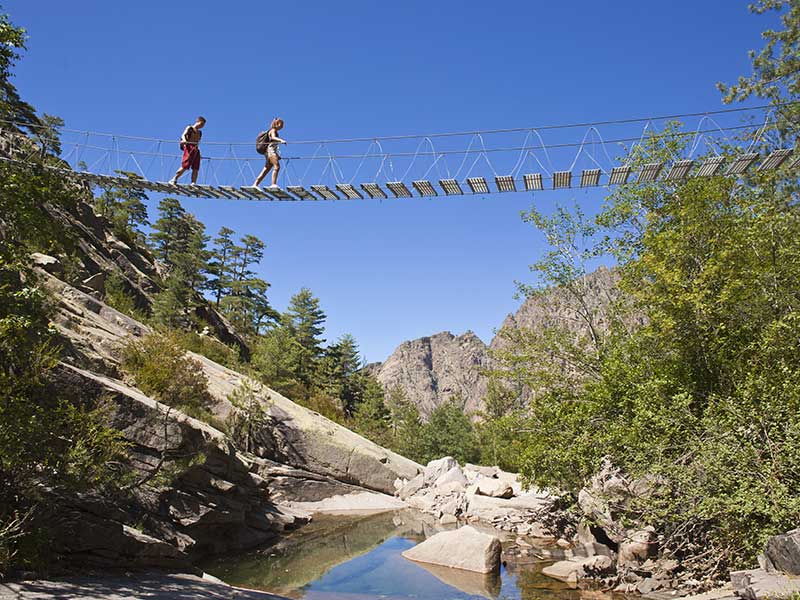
(395,270)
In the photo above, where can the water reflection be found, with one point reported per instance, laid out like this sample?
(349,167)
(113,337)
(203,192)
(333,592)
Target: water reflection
(359,557)
(486,585)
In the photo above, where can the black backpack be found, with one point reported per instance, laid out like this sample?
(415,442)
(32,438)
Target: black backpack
(262,142)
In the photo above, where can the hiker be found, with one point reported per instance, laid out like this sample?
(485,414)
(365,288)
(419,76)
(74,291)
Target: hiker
(267,144)
(191,151)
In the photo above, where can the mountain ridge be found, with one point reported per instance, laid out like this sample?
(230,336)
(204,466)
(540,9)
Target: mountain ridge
(432,369)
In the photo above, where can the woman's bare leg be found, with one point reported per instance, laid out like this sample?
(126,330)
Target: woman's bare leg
(275,162)
(263,174)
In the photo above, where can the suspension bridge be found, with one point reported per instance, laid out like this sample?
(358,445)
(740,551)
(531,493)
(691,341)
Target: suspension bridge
(726,142)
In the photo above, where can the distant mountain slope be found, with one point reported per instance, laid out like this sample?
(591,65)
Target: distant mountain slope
(556,306)
(433,369)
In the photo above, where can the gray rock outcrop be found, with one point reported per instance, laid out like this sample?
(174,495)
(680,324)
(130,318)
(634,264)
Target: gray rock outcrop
(208,499)
(192,493)
(297,436)
(777,578)
(154,586)
(782,553)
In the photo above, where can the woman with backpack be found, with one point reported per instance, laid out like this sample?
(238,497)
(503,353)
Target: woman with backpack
(267,144)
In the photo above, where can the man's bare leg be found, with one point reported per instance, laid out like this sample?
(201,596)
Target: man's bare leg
(194,175)
(177,175)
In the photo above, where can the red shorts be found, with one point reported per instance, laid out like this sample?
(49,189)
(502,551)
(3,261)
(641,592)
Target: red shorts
(191,157)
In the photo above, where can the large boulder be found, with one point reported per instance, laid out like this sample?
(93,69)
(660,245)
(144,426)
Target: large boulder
(572,571)
(454,475)
(495,488)
(465,548)
(437,468)
(48,263)
(757,584)
(491,472)
(412,487)
(637,547)
(361,502)
(782,553)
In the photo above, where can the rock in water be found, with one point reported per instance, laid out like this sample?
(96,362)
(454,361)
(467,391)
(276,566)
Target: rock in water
(571,571)
(465,548)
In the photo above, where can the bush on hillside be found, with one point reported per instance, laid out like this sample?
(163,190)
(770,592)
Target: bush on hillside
(159,366)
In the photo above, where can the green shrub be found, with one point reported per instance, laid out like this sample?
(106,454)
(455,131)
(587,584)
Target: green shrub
(158,366)
(119,298)
(211,348)
(250,417)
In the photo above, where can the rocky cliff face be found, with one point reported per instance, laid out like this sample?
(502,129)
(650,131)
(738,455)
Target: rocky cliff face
(436,368)
(433,369)
(193,493)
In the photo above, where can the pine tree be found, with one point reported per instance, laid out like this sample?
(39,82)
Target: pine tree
(405,423)
(172,304)
(338,373)
(167,228)
(221,264)
(125,208)
(250,253)
(246,305)
(180,243)
(277,358)
(372,418)
(304,318)
(190,257)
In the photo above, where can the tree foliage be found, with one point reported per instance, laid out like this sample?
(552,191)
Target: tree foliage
(49,441)
(449,432)
(776,67)
(125,207)
(702,393)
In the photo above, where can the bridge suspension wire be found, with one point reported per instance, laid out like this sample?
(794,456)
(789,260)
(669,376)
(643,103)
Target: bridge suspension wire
(499,155)
(445,134)
(433,152)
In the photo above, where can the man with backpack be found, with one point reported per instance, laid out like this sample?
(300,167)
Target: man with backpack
(190,141)
(267,144)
